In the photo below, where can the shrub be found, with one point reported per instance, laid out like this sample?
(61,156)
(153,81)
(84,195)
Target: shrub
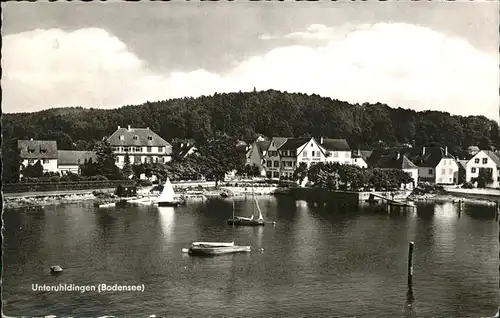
(468,185)
(144,183)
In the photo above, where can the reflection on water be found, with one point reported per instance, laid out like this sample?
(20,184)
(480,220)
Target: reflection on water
(339,260)
(167,220)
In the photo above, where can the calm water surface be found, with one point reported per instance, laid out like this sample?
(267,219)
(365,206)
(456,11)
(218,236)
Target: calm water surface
(334,262)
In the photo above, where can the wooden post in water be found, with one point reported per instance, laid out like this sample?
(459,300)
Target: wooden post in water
(410,263)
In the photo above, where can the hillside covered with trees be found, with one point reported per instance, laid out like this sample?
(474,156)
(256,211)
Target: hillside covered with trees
(245,114)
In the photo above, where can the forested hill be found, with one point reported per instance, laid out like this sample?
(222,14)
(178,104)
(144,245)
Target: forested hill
(271,113)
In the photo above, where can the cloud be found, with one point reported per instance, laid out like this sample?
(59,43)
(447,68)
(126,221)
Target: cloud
(398,64)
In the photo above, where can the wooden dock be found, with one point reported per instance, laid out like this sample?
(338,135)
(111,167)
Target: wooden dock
(390,202)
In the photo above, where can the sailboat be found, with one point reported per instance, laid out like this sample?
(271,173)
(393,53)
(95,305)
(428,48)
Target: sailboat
(166,197)
(216,248)
(251,221)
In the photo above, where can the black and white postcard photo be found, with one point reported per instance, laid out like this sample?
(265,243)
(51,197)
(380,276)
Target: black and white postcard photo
(254,159)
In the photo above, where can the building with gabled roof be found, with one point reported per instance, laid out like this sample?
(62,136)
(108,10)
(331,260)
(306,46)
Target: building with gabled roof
(141,144)
(45,151)
(257,153)
(69,161)
(436,165)
(484,159)
(272,157)
(336,150)
(400,162)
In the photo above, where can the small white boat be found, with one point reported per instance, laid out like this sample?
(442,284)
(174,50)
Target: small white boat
(214,244)
(167,196)
(107,205)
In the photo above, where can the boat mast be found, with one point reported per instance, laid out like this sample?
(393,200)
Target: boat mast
(253,201)
(233,220)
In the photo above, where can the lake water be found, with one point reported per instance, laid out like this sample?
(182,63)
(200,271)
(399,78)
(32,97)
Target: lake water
(316,262)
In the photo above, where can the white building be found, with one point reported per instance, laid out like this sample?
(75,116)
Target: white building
(70,160)
(484,159)
(436,165)
(336,150)
(272,158)
(141,144)
(44,151)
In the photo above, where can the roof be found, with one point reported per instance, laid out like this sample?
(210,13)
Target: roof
(335,144)
(37,149)
(431,158)
(462,164)
(495,156)
(395,162)
(185,148)
(294,143)
(364,154)
(142,135)
(279,141)
(75,157)
(263,145)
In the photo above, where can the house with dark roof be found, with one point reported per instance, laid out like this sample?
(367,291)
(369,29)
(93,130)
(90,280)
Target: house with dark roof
(272,157)
(257,153)
(299,150)
(336,150)
(141,144)
(400,162)
(484,159)
(70,160)
(435,165)
(360,158)
(44,151)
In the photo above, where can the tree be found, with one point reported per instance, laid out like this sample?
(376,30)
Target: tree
(11,162)
(300,172)
(33,171)
(106,160)
(127,167)
(221,156)
(484,177)
(88,168)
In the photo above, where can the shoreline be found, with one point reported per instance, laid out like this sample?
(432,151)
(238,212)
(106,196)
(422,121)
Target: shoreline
(40,199)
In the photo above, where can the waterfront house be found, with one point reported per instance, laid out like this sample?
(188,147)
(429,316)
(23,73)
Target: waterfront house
(142,145)
(297,150)
(484,159)
(336,150)
(435,165)
(45,151)
(272,158)
(400,162)
(257,153)
(360,158)
(69,161)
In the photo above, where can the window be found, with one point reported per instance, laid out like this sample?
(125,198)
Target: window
(269,174)
(117,159)
(149,149)
(276,164)
(45,160)
(311,144)
(473,170)
(304,153)
(476,160)
(150,138)
(43,150)
(269,164)
(443,171)
(485,160)
(160,149)
(148,160)
(313,154)
(136,138)
(347,154)
(31,161)
(137,159)
(161,160)
(317,154)
(292,153)
(335,154)
(31,150)
(431,171)
(276,174)
(283,163)
(138,149)
(450,171)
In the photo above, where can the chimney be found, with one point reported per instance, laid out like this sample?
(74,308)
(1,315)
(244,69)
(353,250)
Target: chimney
(321,140)
(128,128)
(118,127)
(423,151)
(446,150)
(399,156)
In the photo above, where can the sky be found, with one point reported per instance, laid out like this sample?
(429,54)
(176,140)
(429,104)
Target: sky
(419,55)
